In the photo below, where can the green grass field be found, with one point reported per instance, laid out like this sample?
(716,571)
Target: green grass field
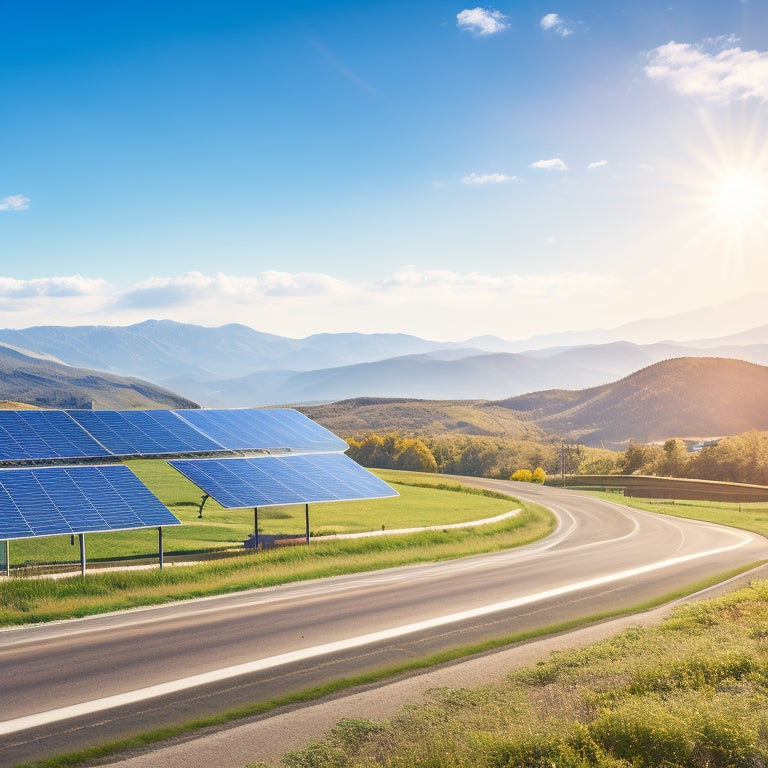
(226,529)
(750,517)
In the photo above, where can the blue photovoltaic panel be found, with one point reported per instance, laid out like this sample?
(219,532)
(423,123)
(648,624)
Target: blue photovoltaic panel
(270,429)
(43,435)
(143,433)
(80,499)
(276,480)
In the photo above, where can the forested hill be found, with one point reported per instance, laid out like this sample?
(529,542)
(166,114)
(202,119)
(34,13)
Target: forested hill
(695,397)
(49,384)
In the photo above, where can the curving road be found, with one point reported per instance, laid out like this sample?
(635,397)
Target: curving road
(74,684)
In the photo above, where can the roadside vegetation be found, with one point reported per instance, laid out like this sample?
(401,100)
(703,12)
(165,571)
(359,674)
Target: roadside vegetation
(689,693)
(738,459)
(428,502)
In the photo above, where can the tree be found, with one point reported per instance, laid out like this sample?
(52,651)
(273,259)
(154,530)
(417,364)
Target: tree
(640,459)
(538,476)
(675,458)
(416,457)
(522,476)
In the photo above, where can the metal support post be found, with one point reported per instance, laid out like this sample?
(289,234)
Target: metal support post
(7,559)
(256,527)
(562,463)
(160,545)
(81,536)
(306,514)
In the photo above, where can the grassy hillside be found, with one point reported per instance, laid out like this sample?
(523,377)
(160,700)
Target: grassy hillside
(49,384)
(360,416)
(684,397)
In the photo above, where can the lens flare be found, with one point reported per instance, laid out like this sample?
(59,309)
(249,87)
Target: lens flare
(721,185)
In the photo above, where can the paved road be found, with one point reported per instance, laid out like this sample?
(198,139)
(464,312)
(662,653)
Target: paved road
(78,683)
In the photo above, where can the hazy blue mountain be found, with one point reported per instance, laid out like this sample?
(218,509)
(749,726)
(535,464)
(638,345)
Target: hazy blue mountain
(429,376)
(728,318)
(235,365)
(49,384)
(163,350)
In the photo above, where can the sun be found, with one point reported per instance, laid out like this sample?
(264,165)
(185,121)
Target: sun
(719,199)
(739,198)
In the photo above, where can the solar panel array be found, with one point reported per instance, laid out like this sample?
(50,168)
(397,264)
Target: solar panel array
(42,501)
(41,435)
(272,429)
(143,433)
(279,480)
(82,434)
(80,499)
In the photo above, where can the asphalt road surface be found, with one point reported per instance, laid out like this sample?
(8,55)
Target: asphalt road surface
(74,684)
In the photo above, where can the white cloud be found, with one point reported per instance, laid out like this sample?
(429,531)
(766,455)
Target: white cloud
(555,164)
(701,70)
(439,304)
(553,22)
(487,178)
(11,288)
(597,164)
(14,203)
(549,21)
(183,289)
(481,21)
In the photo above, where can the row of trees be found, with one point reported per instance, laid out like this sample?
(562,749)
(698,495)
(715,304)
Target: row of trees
(741,458)
(477,456)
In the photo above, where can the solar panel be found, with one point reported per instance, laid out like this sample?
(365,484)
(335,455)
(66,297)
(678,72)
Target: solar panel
(272,429)
(80,499)
(277,480)
(41,435)
(143,433)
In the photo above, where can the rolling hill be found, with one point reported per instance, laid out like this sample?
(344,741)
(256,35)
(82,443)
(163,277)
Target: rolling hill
(683,397)
(359,416)
(50,384)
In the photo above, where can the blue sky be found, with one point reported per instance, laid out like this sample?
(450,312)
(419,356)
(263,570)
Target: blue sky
(432,168)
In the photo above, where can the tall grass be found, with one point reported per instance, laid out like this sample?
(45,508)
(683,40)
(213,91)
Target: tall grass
(690,693)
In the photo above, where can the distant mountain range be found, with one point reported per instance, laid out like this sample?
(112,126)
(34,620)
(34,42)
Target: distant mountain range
(696,398)
(595,394)
(235,366)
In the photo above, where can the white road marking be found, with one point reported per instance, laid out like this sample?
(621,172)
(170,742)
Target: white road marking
(175,686)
